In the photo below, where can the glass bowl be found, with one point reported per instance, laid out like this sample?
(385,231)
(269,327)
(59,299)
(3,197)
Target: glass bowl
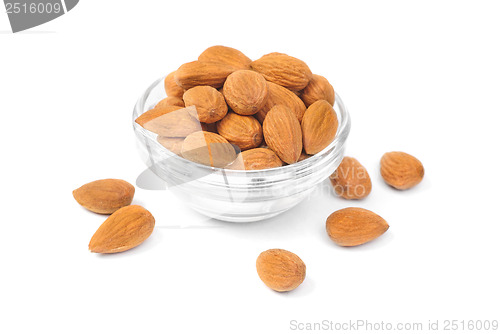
(237,195)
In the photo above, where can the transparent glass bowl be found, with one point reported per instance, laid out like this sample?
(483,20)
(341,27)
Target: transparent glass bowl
(237,195)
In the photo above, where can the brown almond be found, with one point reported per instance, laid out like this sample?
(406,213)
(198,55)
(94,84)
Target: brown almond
(226,55)
(171,86)
(177,123)
(256,159)
(283,134)
(318,89)
(278,95)
(208,148)
(243,131)
(209,102)
(355,226)
(198,73)
(245,92)
(170,101)
(154,113)
(284,70)
(280,269)
(319,126)
(401,170)
(173,144)
(125,229)
(105,196)
(351,180)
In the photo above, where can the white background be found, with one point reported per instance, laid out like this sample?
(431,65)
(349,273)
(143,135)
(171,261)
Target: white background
(417,76)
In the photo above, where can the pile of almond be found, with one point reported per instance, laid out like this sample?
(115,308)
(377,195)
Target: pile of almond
(225,110)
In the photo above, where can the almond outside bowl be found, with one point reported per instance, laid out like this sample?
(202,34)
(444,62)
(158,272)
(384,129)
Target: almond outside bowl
(237,195)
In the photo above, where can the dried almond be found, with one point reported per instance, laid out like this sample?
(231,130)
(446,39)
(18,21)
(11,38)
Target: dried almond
(198,73)
(245,92)
(105,196)
(280,269)
(355,226)
(257,158)
(319,126)
(173,144)
(280,95)
(171,87)
(283,134)
(401,170)
(125,229)
(284,70)
(351,180)
(210,104)
(154,113)
(170,101)
(243,131)
(226,55)
(177,123)
(318,89)
(208,148)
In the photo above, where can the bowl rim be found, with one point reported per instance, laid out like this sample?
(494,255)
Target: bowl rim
(340,138)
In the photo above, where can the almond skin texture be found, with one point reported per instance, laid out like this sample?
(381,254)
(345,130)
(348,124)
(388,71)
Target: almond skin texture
(283,134)
(173,144)
(226,55)
(209,102)
(208,148)
(286,71)
(125,229)
(280,95)
(171,87)
(171,101)
(401,170)
(256,159)
(355,226)
(199,73)
(177,123)
(318,89)
(280,269)
(351,180)
(319,126)
(243,131)
(105,196)
(245,92)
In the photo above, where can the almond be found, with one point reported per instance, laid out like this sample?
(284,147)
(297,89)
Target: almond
(226,55)
(173,144)
(208,148)
(199,73)
(401,170)
(286,71)
(171,87)
(210,104)
(105,196)
(177,123)
(319,126)
(243,131)
(318,89)
(351,180)
(283,134)
(280,95)
(170,101)
(355,226)
(155,112)
(245,92)
(280,269)
(125,229)
(257,158)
